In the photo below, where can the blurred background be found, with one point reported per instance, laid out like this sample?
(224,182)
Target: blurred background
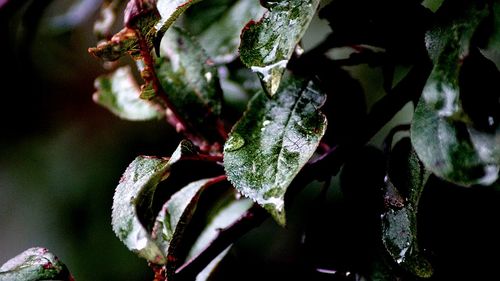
(61,157)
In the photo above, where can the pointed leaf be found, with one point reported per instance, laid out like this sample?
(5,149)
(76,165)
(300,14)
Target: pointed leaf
(135,192)
(120,93)
(221,37)
(190,81)
(267,45)
(399,220)
(272,141)
(175,216)
(34,264)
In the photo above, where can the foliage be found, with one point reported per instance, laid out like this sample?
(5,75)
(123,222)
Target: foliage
(182,213)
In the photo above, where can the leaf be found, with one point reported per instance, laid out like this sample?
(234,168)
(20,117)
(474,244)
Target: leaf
(134,193)
(445,135)
(399,219)
(190,81)
(34,264)
(169,11)
(120,93)
(126,41)
(221,37)
(175,216)
(272,142)
(267,45)
(452,151)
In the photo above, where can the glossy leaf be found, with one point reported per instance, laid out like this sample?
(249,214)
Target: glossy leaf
(34,264)
(190,81)
(175,216)
(222,37)
(135,192)
(267,45)
(399,220)
(272,141)
(120,93)
(442,131)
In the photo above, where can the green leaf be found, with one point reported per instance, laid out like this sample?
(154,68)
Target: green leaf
(443,133)
(34,264)
(221,37)
(134,193)
(399,219)
(120,93)
(175,216)
(453,151)
(267,45)
(169,11)
(190,80)
(447,44)
(272,141)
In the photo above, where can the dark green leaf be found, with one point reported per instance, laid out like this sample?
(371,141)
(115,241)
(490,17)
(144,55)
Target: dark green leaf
(225,212)
(34,264)
(120,93)
(190,81)
(135,192)
(221,37)
(175,216)
(267,45)
(442,134)
(272,141)
(399,220)
(453,151)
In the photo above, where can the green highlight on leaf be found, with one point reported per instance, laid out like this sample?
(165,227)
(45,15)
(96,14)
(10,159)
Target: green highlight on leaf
(267,45)
(272,141)
(35,264)
(190,81)
(120,93)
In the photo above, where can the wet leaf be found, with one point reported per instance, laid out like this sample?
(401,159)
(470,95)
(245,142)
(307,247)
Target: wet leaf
(221,37)
(267,45)
(451,141)
(135,193)
(175,216)
(190,81)
(272,141)
(120,93)
(399,219)
(34,264)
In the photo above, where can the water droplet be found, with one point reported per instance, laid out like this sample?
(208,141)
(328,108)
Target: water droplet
(234,142)
(208,76)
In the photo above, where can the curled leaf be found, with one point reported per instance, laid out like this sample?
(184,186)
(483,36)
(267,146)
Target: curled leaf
(35,264)
(267,45)
(272,141)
